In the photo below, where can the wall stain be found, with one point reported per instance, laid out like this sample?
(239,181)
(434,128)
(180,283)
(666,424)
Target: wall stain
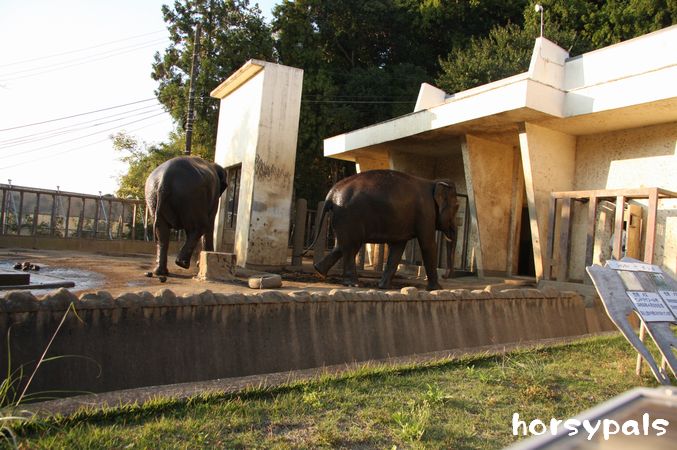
(267,171)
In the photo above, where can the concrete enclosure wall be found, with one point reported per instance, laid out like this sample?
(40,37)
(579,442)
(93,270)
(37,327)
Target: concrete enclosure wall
(258,127)
(143,339)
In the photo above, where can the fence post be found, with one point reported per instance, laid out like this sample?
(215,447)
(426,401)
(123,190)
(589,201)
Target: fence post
(299,231)
(321,243)
(36,213)
(81,218)
(52,218)
(19,221)
(68,217)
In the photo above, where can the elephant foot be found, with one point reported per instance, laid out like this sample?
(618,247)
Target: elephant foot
(160,271)
(382,285)
(185,263)
(433,286)
(321,270)
(350,283)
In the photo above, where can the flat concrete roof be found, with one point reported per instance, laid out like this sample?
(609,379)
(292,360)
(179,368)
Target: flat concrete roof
(627,85)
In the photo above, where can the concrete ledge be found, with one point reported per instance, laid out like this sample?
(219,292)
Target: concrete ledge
(143,339)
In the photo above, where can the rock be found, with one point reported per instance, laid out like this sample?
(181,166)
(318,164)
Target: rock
(149,274)
(162,278)
(267,281)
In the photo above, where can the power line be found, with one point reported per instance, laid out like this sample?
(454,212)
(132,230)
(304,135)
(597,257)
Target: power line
(77,138)
(79,63)
(77,115)
(53,135)
(78,50)
(54,155)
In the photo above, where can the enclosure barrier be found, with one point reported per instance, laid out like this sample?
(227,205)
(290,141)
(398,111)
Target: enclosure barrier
(148,339)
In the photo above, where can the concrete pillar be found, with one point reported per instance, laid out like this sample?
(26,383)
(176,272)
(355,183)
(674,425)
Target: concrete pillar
(258,128)
(489,176)
(548,159)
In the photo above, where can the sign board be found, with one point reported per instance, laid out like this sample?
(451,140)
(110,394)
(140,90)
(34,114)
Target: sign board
(628,287)
(650,306)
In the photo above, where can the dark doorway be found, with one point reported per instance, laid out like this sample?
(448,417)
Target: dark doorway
(525,264)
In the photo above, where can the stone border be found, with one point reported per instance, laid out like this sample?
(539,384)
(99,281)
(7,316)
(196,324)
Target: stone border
(60,300)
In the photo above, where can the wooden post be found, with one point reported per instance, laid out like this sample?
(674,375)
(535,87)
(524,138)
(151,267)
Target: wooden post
(360,257)
(618,228)
(299,231)
(564,233)
(550,246)
(379,254)
(651,226)
(590,237)
(321,243)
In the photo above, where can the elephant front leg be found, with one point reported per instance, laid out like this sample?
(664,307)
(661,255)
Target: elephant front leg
(162,239)
(429,253)
(451,254)
(395,251)
(183,258)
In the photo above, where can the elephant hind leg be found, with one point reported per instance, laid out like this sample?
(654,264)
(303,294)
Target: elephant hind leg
(183,258)
(328,261)
(161,230)
(349,268)
(395,251)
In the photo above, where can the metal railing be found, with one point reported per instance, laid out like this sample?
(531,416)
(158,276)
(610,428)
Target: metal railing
(42,212)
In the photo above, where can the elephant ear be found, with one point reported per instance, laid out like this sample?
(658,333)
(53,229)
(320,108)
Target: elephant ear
(223,183)
(443,191)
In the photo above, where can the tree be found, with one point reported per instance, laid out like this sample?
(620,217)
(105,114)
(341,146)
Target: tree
(364,62)
(576,25)
(142,160)
(232,33)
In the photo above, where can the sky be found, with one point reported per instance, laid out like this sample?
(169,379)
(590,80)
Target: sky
(73,72)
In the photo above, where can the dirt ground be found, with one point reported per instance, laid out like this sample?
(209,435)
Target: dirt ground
(118,274)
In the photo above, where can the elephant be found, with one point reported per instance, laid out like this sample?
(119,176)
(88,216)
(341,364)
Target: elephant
(387,206)
(183,193)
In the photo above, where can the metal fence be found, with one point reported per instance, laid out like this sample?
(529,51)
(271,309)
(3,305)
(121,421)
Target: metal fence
(54,213)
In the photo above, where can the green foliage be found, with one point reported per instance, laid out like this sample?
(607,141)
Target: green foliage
(576,25)
(142,159)
(232,33)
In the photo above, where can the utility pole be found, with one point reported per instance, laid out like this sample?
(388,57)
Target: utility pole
(191,90)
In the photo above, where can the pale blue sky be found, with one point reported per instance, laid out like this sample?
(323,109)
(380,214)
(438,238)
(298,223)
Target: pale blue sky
(65,58)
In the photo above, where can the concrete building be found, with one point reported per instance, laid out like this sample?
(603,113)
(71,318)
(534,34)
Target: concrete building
(552,160)
(256,143)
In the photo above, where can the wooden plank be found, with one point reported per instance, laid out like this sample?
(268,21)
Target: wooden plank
(564,237)
(618,228)
(650,241)
(550,245)
(613,193)
(590,236)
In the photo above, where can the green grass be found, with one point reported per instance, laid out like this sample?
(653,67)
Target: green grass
(463,403)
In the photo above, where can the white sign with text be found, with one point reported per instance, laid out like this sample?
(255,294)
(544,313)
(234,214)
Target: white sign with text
(651,307)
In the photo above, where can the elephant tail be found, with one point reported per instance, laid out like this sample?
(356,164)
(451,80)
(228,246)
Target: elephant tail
(328,206)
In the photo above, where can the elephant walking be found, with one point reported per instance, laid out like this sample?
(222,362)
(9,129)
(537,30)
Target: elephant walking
(386,206)
(183,193)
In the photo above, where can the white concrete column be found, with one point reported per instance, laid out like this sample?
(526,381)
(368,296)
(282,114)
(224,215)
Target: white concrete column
(489,176)
(548,159)
(258,128)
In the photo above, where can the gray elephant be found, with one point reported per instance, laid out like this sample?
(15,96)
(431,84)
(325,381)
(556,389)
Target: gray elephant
(183,193)
(386,206)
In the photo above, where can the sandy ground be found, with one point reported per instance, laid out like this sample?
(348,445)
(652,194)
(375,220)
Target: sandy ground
(117,274)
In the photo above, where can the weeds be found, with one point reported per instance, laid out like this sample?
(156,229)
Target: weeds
(10,399)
